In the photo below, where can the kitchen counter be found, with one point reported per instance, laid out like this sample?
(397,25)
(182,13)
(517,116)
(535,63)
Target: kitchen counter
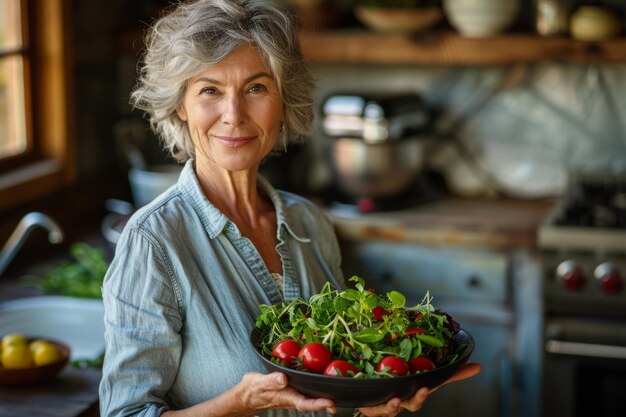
(450,222)
(72,393)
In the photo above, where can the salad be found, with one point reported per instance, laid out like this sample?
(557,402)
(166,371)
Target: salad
(357,333)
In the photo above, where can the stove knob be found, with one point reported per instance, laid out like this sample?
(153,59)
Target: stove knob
(610,278)
(571,274)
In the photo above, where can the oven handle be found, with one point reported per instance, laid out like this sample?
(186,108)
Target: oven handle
(561,347)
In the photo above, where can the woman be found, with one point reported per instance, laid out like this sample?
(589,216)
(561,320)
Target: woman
(225,85)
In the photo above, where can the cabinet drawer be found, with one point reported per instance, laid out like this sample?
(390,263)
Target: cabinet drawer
(446,274)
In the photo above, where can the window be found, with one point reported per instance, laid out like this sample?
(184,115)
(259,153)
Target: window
(13,56)
(36,140)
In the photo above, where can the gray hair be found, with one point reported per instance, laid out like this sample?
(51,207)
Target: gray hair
(201,33)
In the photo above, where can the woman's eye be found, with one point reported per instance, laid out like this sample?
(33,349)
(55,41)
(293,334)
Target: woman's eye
(208,90)
(257,88)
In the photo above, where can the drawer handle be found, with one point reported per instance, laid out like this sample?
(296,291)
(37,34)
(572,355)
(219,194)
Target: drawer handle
(560,347)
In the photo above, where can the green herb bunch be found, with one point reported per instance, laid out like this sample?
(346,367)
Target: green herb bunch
(82,277)
(361,327)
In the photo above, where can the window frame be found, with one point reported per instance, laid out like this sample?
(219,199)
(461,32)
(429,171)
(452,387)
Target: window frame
(49,164)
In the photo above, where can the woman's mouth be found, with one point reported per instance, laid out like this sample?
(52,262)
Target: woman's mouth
(234,141)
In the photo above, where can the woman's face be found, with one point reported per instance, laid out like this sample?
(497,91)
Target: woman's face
(233,111)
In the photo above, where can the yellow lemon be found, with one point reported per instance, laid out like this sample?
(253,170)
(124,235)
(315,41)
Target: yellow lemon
(16,356)
(36,343)
(13,339)
(46,353)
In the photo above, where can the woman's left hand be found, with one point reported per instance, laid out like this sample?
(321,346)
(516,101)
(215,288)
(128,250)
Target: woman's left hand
(395,405)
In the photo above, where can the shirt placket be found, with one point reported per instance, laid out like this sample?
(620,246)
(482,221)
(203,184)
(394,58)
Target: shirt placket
(291,288)
(254,261)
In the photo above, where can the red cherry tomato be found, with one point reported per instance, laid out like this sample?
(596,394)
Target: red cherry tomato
(409,332)
(414,330)
(393,365)
(378,312)
(315,357)
(420,364)
(286,351)
(340,367)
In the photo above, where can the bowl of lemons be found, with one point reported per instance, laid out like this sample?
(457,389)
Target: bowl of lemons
(28,360)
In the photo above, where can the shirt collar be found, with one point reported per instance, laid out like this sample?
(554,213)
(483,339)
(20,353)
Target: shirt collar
(282,215)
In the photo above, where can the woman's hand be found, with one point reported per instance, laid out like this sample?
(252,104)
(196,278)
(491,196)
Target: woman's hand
(261,392)
(395,405)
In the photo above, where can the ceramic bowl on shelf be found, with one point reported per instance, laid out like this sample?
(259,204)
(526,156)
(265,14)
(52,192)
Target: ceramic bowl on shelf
(481,18)
(398,20)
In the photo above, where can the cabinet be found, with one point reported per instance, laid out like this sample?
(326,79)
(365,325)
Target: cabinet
(357,46)
(491,294)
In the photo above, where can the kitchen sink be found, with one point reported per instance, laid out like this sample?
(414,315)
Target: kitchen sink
(75,321)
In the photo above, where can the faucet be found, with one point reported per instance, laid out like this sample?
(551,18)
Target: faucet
(21,232)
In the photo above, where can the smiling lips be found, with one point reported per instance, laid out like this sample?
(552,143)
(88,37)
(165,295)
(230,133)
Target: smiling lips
(235,142)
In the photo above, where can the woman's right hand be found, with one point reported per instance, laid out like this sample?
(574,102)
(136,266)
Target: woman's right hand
(261,392)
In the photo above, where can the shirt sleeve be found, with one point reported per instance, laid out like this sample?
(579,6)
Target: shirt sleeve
(142,323)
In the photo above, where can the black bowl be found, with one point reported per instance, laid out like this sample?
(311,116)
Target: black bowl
(357,392)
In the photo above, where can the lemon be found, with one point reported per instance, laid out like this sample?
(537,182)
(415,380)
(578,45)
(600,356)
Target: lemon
(16,356)
(45,353)
(13,339)
(36,343)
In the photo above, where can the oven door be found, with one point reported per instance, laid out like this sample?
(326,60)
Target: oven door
(585,367)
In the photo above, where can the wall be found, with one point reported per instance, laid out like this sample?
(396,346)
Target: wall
(522,140)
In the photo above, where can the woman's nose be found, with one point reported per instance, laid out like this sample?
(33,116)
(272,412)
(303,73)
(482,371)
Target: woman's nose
(234,110)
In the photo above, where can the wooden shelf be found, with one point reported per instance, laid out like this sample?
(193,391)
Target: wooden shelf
(448,48)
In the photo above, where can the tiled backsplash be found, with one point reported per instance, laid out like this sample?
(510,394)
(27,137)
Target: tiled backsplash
(524,140)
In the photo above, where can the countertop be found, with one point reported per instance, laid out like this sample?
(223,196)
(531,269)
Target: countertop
(450,222)
(72,393)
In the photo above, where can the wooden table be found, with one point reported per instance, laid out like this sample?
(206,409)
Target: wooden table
(72,393)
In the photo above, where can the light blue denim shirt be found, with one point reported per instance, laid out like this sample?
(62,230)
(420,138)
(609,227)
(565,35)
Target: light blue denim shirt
(183,291)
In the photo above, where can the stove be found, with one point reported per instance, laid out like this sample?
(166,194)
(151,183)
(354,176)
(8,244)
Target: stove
(591,217)
(583,242)
(583,250)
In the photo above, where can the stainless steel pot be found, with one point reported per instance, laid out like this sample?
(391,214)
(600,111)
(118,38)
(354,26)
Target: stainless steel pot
(377,170)
(377,141)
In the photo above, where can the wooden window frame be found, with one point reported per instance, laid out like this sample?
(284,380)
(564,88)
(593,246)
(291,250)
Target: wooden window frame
(50,163)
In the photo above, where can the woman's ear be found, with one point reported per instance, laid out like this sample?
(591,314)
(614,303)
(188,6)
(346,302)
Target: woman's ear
(182,114)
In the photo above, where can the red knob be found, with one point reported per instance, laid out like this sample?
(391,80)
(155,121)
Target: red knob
(610,277)
(572,275)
